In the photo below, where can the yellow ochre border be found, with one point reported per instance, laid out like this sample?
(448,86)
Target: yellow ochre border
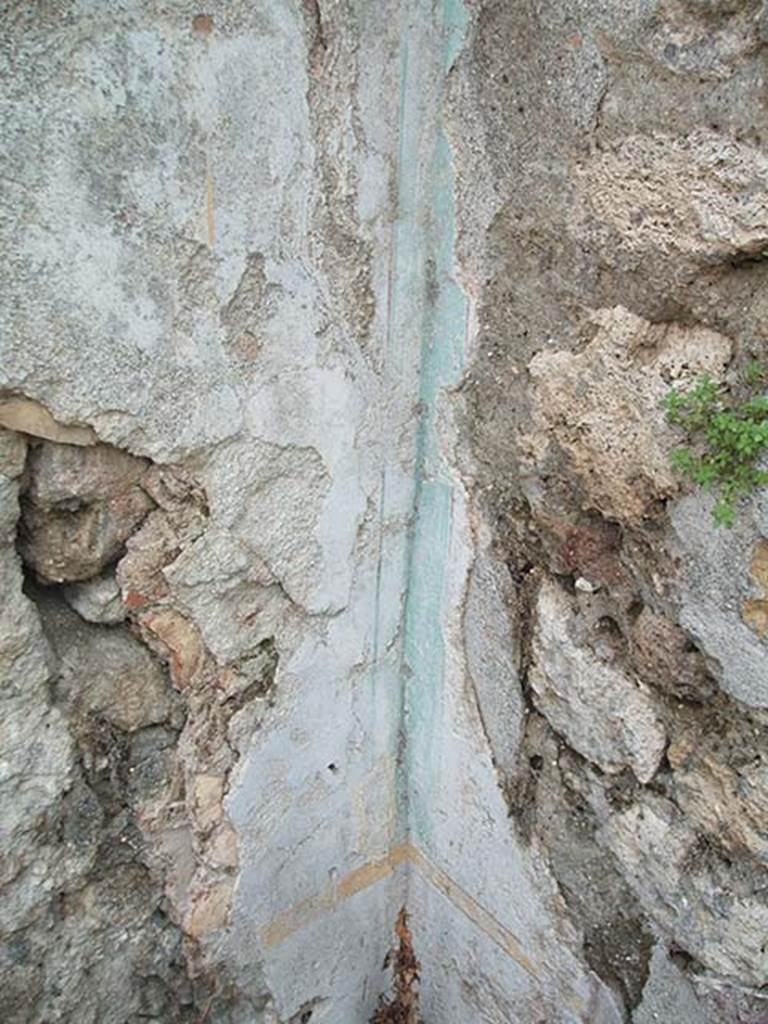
(308,910)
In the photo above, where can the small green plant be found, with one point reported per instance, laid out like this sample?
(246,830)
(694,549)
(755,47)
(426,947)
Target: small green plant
(728,435)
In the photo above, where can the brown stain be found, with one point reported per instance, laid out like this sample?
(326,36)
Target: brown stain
(202,24)
(754,611)
(591,551)
(209,910)
(367,875)
(403,1008)
(247,348)
(182,642)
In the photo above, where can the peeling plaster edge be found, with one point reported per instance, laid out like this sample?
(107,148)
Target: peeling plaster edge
(28,416)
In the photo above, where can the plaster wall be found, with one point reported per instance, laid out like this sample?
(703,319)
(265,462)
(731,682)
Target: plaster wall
(324,270)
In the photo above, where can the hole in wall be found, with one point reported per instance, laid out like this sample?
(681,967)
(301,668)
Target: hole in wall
(110,713)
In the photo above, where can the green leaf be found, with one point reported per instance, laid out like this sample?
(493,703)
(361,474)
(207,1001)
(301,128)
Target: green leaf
(754,372)
(672,403)
(723,514)
(683,460)
(728,435)
(705,474)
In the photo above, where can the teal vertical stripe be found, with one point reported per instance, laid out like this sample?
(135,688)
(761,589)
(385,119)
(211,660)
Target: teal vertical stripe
(442,364)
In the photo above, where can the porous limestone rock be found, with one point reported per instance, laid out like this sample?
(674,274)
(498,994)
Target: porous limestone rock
(721,780)
(604,713)
(664,657)
(715,908)
(700,197)
(105,672)
(96,600)
(602,406)
(80,506)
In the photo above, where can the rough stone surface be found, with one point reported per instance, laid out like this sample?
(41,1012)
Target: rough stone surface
(669,994)
(97,599)
(493,667)
(611,228)
(721,782)
(602,407)
(664,657)
(26,416)
(73,880)
(80,507)
(716,589)
(699,197)
(343,564)
(105,673)
(710,906)
(604,714)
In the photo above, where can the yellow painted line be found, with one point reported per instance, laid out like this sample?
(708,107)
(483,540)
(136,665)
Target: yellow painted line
(483,919)
(362,878)
(310,909)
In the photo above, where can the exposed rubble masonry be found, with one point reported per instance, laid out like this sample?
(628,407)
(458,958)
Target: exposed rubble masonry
(362,658)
